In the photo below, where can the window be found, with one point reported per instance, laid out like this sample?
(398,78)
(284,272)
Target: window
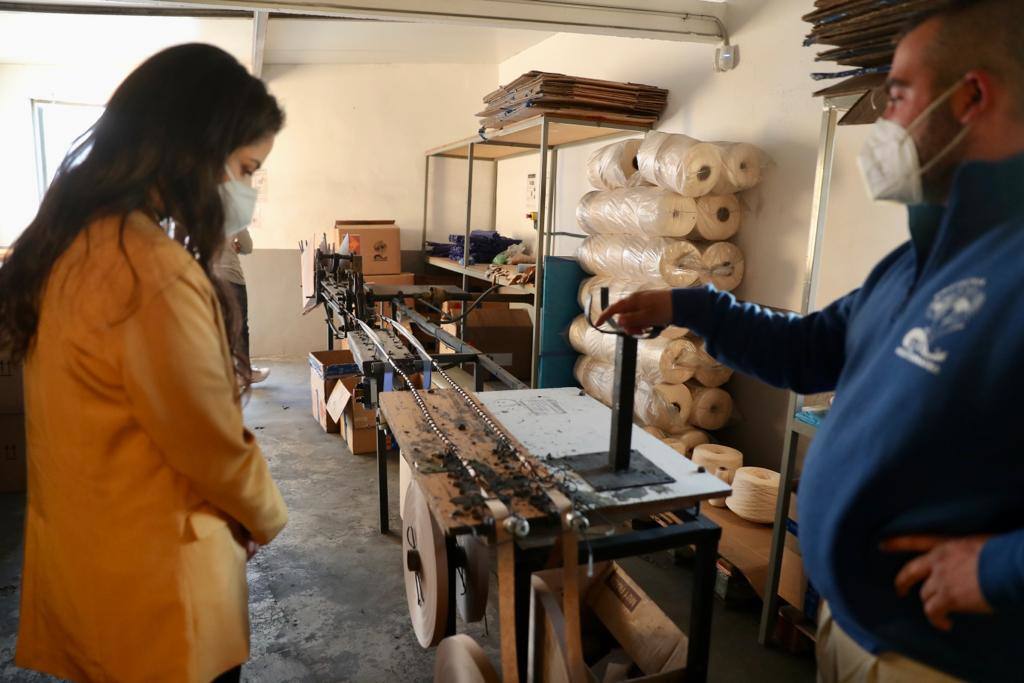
(57,126)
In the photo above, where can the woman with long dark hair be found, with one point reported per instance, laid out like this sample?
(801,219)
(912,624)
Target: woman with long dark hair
(146,494)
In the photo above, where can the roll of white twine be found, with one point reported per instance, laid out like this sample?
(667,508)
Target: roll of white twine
(712,456)
(754,492)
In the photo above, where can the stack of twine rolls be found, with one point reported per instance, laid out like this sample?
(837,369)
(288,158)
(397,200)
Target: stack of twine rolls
(659,217)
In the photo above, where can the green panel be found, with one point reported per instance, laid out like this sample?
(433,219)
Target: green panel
(562,278)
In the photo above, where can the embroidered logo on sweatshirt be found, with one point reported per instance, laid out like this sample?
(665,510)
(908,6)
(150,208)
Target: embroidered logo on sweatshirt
(950,311)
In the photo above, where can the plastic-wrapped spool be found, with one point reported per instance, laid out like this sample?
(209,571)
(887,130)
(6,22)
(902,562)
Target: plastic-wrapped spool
(711,407)
(473,580)
(723,266)
(718,216)
(681,265)
(460,659)
(655,432)
(659,361)
(741,167)
(649,211)
(638,180)
(709,371)
(425,560)
(590,291)
(714,375)
(655,405)
(611,166)
(754,492)
(674,332)
(654,260)
(726,475)
(680,163)
(711,456)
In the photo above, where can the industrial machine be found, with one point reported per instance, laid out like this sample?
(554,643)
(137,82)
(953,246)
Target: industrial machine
(540,475)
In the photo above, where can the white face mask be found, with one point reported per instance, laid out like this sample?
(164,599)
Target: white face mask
(239,201)
(889,162)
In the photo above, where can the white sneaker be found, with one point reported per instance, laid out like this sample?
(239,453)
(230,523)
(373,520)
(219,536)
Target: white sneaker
(260,374)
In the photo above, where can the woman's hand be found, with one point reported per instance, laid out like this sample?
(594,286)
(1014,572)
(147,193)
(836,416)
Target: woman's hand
(640,311)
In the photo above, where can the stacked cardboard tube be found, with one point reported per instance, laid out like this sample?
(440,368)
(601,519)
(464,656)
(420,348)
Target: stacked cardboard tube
(659,217)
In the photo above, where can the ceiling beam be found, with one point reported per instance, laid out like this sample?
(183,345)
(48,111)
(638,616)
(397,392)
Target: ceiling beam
(682,20)
(259,40)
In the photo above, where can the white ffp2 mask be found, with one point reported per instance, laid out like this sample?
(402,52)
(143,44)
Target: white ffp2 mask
(239,200)
(889,162)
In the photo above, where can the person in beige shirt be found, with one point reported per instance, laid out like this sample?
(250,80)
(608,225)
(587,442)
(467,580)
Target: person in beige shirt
(229,268)
(146,494)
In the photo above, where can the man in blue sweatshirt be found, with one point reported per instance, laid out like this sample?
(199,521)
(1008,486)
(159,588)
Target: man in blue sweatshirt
(912,497)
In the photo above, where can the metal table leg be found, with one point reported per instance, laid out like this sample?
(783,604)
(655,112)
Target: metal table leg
(382,477)
(701,609)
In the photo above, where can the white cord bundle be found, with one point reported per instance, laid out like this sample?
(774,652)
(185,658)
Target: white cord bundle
(665,406)
(754,493)
(660,361)
(612,166)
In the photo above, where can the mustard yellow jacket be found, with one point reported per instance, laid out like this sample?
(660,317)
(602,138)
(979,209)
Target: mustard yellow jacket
(140,470)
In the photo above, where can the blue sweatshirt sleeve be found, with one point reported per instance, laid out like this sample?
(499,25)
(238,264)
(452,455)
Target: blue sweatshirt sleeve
(1001,570)
(801,353)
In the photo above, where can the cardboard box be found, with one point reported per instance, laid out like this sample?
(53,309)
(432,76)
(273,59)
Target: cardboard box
(378,242)
(13,460)
(326,368)
(505,334)
(358,423)
(612,602)
(12,388)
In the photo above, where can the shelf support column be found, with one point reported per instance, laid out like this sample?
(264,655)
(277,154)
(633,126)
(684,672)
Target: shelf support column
(819,214)
(469,224)
(426,201)
(538,302)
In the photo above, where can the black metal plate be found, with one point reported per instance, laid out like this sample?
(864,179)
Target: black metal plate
(596,471)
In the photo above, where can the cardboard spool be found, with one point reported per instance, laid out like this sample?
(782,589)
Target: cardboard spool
(425,561)
(472,578)
(460,659)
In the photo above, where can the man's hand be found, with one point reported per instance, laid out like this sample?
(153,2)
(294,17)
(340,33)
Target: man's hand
(949,569)
(640,311)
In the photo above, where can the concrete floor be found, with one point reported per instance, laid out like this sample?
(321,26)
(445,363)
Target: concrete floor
(327,596)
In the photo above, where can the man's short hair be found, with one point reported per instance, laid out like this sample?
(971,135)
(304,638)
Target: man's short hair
(977,34)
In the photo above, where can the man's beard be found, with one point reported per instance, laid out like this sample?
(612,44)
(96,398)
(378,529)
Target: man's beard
(938,131)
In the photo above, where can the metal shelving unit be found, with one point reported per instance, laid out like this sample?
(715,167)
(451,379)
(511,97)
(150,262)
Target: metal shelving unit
(544,135)
(832,111)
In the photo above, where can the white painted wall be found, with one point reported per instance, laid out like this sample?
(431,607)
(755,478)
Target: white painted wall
(767,101)
(353,146)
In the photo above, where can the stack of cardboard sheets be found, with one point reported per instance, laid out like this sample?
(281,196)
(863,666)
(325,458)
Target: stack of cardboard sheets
(538,92)
(861,36)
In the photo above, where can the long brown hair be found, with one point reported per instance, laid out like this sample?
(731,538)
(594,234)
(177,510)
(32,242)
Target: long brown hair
(159,147)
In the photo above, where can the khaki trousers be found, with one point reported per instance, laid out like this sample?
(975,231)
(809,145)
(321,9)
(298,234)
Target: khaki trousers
(842,660)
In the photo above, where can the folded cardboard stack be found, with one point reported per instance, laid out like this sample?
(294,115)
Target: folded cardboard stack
(539,92)
(861,36)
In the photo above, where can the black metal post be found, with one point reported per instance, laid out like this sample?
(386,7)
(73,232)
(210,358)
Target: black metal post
(701,604)
(382,477)
(453,550)
(622,404)
(330,330)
